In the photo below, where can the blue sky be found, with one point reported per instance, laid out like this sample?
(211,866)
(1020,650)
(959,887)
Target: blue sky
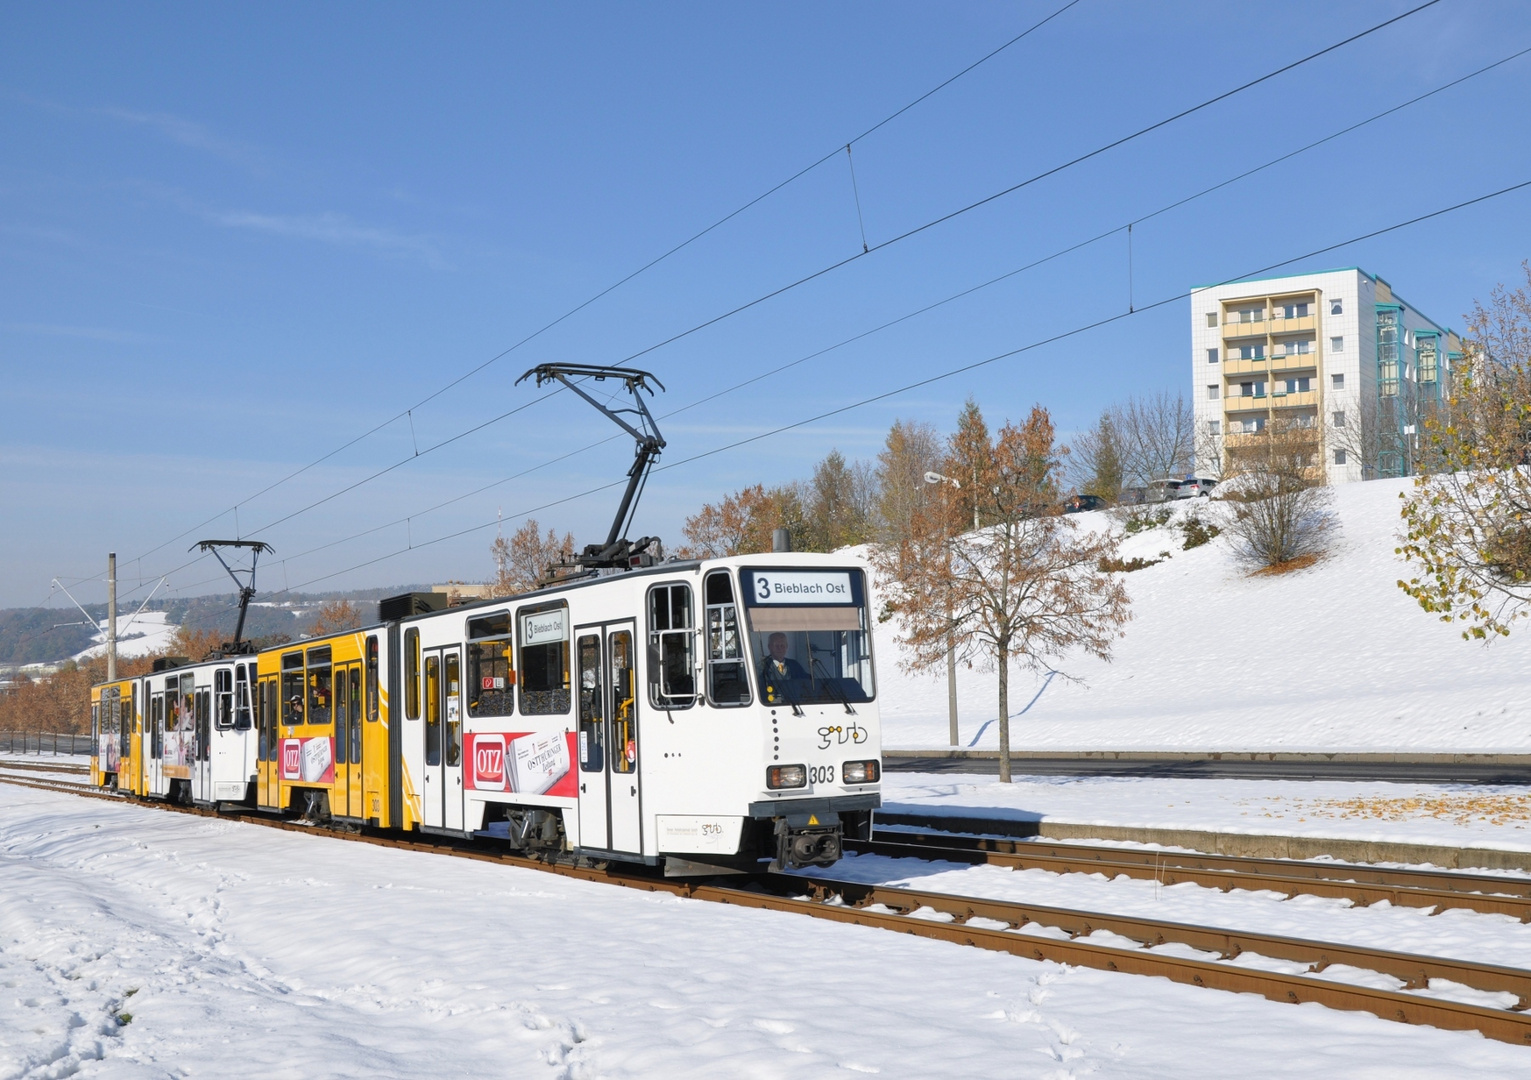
(233,238)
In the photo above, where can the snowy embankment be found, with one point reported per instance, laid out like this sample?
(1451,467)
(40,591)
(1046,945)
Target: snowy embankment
(1331,658)
(138,943)
(137,635)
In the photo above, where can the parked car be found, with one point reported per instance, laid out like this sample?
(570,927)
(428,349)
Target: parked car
(1078,504)
(1193,487)
(1162,491)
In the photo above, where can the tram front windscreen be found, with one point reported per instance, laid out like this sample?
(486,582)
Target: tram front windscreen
(810,641)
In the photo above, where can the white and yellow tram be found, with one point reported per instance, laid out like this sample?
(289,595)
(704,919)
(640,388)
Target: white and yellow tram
(692,714)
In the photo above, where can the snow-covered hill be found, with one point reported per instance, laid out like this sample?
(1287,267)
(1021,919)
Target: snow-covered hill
(1334,657)
(147,632)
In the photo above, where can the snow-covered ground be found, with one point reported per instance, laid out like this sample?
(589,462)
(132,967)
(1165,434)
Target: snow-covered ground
(137,635)
(1457,815)
(1334,657)
(136,943)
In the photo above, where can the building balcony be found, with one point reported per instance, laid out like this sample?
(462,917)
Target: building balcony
(1237,366)
(1295,362)
(1282,400)
(1238,440)
(1232,331)
(1279,325)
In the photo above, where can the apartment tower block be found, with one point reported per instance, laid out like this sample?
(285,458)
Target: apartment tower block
(1335,356)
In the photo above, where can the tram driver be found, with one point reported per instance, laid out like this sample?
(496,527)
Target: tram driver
(779,671)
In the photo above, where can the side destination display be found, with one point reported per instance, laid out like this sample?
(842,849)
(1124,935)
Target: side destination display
(799,587)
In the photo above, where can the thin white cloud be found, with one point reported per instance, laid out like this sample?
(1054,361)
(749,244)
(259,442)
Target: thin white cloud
(331,228)
(189,133)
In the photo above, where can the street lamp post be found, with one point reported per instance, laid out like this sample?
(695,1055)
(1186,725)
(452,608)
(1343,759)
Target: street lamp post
(951,645)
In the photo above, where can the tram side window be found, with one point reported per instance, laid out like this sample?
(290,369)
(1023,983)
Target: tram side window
(223,697)
(260,721)
(453,715)
(433,710)
(292,688)
(624,707)
(412,674)
(372,677)
(355,722)
(186,721)
(491,678)
(544,667)
(320,687)
(157,725)
(342,706)
(672,641)
(592,737)
(727,682)
(242,676)
(204,723)
(129,718)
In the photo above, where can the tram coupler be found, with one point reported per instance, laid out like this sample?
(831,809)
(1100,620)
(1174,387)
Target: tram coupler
(804,840)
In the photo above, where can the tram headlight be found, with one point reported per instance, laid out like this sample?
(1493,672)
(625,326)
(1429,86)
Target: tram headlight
(786,776)
(860,772)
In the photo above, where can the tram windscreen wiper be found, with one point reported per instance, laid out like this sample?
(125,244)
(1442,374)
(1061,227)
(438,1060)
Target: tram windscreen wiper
(831,684)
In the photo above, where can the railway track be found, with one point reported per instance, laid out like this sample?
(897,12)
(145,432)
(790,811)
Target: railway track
(71,767)
(1227,959)
(1362,885)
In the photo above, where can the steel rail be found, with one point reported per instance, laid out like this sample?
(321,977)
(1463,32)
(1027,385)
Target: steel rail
(1412,969)
(1501,1024)
(1167,872)
(34,766)
(957,847)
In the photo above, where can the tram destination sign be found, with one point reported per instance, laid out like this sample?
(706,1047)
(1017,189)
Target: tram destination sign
(800,587)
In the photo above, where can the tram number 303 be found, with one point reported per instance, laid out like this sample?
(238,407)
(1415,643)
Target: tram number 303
(821,774)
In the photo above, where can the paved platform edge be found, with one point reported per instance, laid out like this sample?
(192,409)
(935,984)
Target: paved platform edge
(1252,845)
(1019,758)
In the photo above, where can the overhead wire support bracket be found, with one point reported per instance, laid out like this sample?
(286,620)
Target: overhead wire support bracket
(617,552)
(246,588)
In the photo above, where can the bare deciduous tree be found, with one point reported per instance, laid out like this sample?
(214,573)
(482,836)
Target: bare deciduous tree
(521,563)
(911,450)
(1156,436)
(1279,497)
(1468,525)
(1024,588)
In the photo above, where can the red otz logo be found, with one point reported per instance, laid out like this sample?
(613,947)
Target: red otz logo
(292,758)
(489,763)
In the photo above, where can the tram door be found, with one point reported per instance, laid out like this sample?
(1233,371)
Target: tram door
(266,744)
(201,759)
(346,797)
(609,792)
(153,760)
(442,800)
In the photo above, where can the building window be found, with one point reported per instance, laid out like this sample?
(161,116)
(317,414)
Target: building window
(1336,307)
(1211,318)
(1304,347)
(1251,352)
(1339,418)
(1426,359)
(1214,427)
(1296,386)
(1338,381)
(1211,356)
(1336,344)
(1339,457)
(1212,394)
(1294,311)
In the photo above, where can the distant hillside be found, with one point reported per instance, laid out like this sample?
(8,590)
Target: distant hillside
(48,635)
(35,636)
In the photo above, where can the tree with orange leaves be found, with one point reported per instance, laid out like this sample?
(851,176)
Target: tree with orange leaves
(1023,587)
